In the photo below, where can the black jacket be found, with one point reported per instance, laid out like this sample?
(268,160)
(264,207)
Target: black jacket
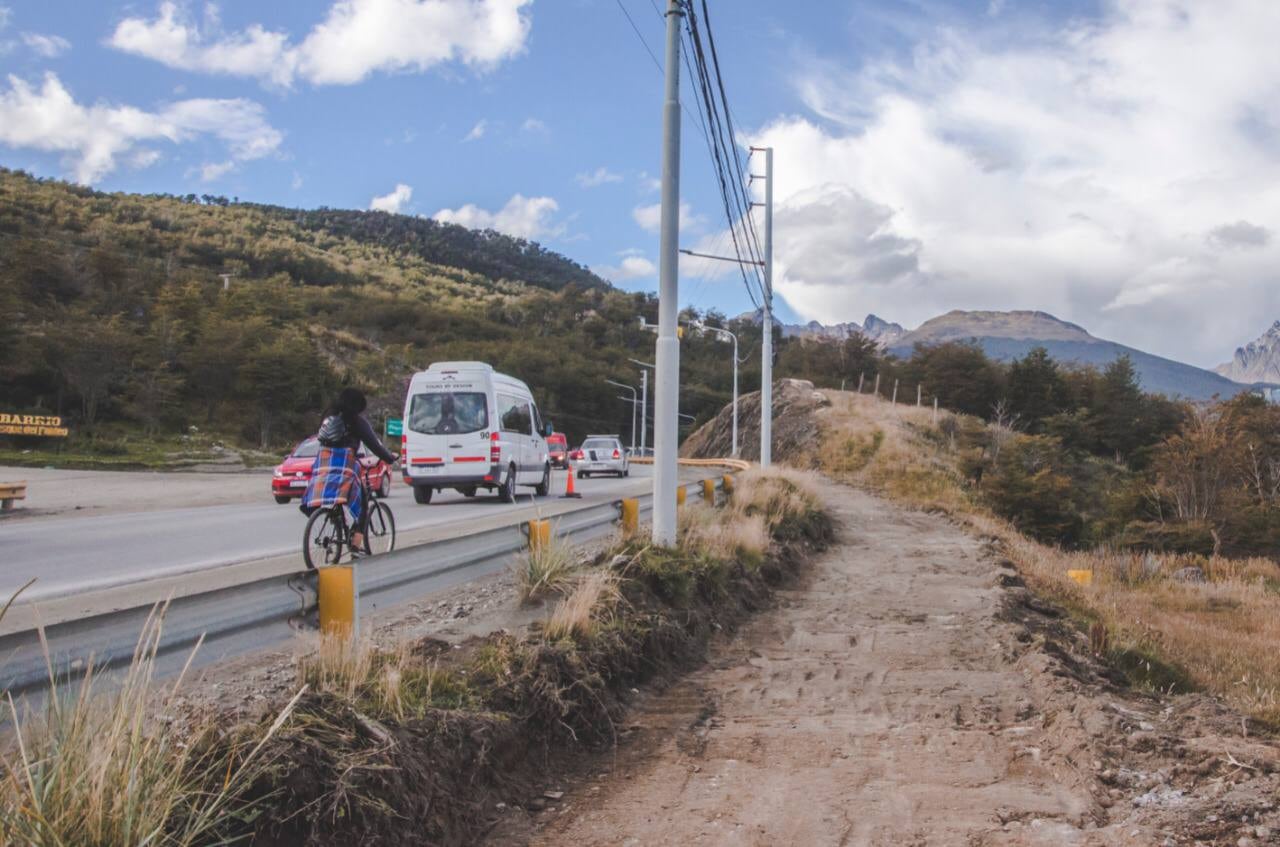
(360,432)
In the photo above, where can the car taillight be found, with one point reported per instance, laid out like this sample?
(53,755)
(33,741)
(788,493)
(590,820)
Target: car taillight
(404,449)
(495,449)
(617,454)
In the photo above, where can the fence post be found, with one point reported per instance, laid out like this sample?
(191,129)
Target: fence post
(339,600)
(539,534)
(861,377)
(935,410)
(919,394)
(877,386)
(895,392)
(630,515)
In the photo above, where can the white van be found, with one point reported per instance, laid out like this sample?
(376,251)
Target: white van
(467,427)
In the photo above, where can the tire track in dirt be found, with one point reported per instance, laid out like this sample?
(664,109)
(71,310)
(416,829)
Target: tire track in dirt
(885,700)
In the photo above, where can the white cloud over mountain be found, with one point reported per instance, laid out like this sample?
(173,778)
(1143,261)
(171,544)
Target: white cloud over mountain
(355,39)
(94,139)
(393,202)
(1123,172)
(522,217)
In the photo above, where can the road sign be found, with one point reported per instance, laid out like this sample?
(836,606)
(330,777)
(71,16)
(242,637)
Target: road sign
(395,427)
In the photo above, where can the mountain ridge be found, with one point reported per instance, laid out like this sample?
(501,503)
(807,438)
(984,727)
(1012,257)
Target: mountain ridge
(1257,361)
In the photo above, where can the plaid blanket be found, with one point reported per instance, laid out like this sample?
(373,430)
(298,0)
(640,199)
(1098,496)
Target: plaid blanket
(333,478)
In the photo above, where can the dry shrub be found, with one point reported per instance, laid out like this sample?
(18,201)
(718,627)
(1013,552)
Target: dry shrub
(592,602)
(778,494)
(545,568)
(114,768)
(728,534)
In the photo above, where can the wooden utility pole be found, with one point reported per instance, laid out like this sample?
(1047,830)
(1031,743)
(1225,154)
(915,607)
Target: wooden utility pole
(895,393)
(877,385)
(861,377)
(919,395)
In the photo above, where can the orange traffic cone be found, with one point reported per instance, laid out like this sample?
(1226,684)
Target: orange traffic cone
(568,488)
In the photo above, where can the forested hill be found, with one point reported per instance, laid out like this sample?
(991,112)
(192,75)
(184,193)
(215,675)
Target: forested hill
(319,247)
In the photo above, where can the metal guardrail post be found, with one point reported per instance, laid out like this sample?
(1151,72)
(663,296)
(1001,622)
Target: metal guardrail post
(339,600)
(728,485)
(630,515)
(709,491)
(680,496)
(539,534)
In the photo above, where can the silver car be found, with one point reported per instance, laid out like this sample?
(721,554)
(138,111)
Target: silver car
(602,454)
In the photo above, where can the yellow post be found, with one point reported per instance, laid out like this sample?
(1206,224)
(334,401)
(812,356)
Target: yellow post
(338,598)
(630,515)
(539,534)
(709,491)
(1083,577)
(680,494)
(728,484)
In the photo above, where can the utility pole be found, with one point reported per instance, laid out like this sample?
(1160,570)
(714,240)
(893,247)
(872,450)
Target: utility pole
(644,401)
(766,349)
(632,400)
(666,432)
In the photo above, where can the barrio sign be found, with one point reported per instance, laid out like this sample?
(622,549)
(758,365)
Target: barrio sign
(49,426)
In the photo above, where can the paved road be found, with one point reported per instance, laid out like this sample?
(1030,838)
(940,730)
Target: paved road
(73,554)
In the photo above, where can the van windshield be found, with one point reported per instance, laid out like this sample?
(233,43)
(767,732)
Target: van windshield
(448,413)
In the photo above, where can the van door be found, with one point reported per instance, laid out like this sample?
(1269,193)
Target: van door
(514,420)
(447,429)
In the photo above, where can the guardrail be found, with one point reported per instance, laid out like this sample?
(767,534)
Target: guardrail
(10,491)
(735,464)
(240,619)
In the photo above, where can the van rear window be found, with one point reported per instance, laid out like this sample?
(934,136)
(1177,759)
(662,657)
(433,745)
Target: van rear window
(448,413)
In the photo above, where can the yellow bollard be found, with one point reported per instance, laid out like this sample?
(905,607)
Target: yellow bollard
(630,515)
(680,495)
(1083,577)
(728,484)
(539,534)
(709,491)
(336,586)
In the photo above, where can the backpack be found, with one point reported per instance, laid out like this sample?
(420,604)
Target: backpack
(333,432)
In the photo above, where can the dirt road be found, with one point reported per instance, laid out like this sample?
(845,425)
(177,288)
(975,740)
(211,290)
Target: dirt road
(909,692)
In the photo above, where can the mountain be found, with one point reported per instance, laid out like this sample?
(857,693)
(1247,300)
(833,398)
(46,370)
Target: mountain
(877,329)
(1011,335)
(1257,361)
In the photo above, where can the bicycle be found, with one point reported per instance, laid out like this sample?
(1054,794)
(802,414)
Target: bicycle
(327,538)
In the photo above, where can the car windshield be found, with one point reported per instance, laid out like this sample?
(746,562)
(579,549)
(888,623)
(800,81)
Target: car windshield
(448,413)
(555,441)
(308,449)
(599,444)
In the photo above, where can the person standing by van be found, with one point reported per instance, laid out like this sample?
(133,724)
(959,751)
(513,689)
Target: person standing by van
(334,476)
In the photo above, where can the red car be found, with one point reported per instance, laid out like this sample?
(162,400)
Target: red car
(558,450)
(292,475)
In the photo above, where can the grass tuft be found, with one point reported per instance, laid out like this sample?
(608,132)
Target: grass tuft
(545,569)
(592,602)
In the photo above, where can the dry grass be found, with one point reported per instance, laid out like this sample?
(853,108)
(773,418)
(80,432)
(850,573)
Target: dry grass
(724,534)
(544,569)
(593,602)
(1222,635)
(777,495)
(111,768)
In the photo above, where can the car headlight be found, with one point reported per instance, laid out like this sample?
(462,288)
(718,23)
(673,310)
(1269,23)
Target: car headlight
(277,474)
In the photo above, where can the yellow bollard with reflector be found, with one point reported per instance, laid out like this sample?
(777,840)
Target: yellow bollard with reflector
(1083,577)
(539,534)
(728,484)
(709,491)
(680,495)
(339,600)
(630,515)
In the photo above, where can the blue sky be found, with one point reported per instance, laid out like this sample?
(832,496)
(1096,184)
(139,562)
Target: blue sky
(931,155)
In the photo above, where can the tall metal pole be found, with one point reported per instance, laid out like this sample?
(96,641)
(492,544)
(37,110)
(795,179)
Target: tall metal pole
(735,394)
(666,439)
(644,408)
(766,350)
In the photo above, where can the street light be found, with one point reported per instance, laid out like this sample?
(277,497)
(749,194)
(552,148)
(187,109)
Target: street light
(633,409)
(644,398)
(723,332)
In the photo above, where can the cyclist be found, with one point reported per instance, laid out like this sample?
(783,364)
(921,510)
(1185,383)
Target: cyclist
(334,475)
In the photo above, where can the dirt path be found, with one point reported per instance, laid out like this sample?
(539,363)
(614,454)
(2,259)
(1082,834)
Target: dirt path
(890,701)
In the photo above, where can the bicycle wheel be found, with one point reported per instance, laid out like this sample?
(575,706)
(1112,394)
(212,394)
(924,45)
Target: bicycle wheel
(325,538)
(380,533)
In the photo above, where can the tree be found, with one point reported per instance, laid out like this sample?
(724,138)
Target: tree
(91,355)
(1036,390)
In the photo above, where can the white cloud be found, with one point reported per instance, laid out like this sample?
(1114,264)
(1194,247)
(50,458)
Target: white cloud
(477,132)
(5,14)
(48,46)
(296,182)
(93,138)
(650,217)
(533,126)
(633,266)
(523,217)
(213,171)
(393,202)
(597,178)
(356,39)
(1101,170)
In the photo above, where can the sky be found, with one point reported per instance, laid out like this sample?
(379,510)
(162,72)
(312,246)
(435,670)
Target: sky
(1113,162)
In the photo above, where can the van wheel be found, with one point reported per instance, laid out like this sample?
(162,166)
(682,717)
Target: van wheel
(507,493)
(421,494)
(543,488)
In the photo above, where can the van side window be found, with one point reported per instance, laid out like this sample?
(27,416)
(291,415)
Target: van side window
(538,428)
(514,414)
